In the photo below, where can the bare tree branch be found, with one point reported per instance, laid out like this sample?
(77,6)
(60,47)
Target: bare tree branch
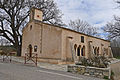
(83,27)
(113,28)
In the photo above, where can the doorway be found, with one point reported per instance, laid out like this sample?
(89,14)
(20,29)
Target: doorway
(30,50)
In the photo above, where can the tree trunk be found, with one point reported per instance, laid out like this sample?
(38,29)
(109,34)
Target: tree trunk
(18,50)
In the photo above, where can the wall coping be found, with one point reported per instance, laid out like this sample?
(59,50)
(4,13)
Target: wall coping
(89,67)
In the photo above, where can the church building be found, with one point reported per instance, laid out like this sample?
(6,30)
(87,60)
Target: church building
(59,45)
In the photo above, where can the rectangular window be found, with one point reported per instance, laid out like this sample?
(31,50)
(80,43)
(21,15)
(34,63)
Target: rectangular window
(82,39)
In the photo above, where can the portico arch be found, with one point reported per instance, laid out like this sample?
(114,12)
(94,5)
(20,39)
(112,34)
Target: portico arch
(83,51)
(95,50)
(78,50)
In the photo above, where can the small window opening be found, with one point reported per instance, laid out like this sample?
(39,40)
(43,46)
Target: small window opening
(38,16)
(35,48)
(82,39)
(30,27)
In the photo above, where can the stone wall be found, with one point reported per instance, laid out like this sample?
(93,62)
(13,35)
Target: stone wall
(91,71)
(115,67)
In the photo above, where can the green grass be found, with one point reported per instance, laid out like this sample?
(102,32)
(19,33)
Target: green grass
(106,78)
(118,57)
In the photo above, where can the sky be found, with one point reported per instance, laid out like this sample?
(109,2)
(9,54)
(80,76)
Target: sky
(95,12)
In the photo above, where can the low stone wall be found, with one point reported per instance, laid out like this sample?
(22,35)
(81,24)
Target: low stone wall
(91,71)
(115,67)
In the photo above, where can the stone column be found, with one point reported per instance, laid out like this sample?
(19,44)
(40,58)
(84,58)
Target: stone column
(110,54)
(74,55)
(69,49)
(89,49)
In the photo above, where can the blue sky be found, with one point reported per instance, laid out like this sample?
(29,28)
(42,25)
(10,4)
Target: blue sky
(95,12)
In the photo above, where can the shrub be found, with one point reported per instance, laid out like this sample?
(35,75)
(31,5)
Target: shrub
(96,61)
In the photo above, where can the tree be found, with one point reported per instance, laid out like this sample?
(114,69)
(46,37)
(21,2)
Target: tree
(115,42)
(83,27)
(113,28)
(14,16)
(4,42)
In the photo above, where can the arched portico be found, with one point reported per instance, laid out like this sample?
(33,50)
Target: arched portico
(83,51)
(78,50)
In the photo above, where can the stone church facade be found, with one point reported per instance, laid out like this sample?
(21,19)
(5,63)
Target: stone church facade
(59,45)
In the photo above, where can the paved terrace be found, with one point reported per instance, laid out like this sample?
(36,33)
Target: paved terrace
(17,70)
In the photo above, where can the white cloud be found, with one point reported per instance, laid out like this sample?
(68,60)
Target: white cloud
(89,10)
(95,12)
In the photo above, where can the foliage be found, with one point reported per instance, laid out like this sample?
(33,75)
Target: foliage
(14,16)
(106,77)
(111,77)
(112,73)
(117,57)
(96,61)
(6,49)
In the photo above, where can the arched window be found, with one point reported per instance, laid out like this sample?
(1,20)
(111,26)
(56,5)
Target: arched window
(83,51)
(78,51)
(98,50)
(95,50)
(30,27)
(30,46)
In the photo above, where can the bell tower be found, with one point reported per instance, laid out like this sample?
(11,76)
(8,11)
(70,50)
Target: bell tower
(36,14)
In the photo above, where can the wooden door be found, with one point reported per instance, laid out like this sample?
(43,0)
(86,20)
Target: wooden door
(30,50)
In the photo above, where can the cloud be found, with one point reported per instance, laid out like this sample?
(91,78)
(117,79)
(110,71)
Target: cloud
(95,12)
(92,11)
